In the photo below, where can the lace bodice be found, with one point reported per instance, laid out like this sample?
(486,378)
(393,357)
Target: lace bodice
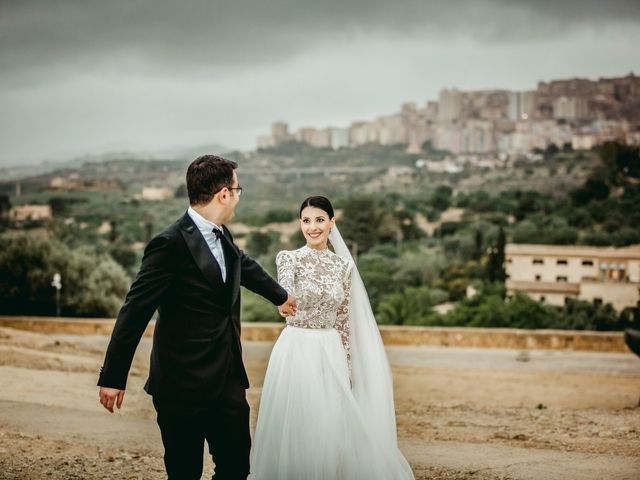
(320,281)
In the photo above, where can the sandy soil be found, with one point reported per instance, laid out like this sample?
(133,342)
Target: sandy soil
(462,413)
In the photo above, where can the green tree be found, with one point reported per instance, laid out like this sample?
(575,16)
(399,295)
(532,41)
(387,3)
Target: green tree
(411,306)
(92,285)
(582,315)
(421,266)
(595,188)
(5,205)
(58,206)
(258,243)
(124,256)
(495,267)
(551,150)
(148,228)
(456,278)
(113,232)
(476,201)
(623,161)
(256,309)
(279,215)
(477,245)
(180,191)
(525,312)
(360,223)
(377,271)
(429,149)
(490,309)
(441,198)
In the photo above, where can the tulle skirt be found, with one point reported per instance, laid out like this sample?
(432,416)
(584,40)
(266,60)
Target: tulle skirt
(309,424)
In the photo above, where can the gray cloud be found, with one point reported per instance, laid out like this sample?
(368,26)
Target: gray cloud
(48,38)
(87,76)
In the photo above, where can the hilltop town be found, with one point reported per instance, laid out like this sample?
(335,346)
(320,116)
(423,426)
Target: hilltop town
(528,221)
(578,112)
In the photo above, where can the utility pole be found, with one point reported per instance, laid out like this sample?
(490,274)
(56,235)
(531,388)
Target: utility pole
(57,284)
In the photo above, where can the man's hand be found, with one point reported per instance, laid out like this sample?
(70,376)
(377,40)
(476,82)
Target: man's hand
(288,308)
(111,396)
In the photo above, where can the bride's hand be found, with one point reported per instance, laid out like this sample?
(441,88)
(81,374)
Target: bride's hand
(288,308)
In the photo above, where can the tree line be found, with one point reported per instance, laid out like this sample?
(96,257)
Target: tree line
(407,272)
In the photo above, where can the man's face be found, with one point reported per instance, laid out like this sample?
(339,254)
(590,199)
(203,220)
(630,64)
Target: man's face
(234,198)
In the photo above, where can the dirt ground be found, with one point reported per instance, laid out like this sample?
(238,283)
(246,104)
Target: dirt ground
(462,413)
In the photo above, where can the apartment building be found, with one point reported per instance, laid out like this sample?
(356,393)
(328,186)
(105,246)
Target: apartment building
(554,273)
(574,111)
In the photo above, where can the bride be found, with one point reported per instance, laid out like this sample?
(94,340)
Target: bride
(326,411)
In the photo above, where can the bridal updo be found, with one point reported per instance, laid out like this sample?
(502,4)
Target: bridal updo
(320,202)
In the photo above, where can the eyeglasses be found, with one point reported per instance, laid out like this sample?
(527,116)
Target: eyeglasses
(239,189)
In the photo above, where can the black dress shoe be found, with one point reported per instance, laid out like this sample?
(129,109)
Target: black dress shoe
(632,337)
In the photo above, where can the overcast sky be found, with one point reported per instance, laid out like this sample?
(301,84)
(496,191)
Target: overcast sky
(90,76)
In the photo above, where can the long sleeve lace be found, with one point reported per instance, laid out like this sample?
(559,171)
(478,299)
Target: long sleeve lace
(285,264)
(342,316)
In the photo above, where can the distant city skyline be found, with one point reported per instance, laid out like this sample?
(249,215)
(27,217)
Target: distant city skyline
(103,76)
(575,113)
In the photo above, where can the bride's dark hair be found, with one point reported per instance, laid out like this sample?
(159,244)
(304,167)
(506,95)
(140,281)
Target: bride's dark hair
(317,201)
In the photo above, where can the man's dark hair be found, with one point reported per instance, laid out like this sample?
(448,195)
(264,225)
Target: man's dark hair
(206,176)
(317,201)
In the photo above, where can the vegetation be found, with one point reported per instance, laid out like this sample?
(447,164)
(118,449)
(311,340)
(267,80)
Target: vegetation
(566,197)
(92,285)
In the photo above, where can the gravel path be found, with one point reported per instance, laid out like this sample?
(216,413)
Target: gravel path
(462,413)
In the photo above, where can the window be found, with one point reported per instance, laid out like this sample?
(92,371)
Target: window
(538,261)
(542,298)
(587,263)
(509,260)
(562,261)
(597,301)
(561,278)
(538,277)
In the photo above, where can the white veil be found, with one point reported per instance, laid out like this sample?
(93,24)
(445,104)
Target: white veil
(370,372)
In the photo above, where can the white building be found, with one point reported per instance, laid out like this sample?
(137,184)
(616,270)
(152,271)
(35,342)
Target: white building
(156,193)
(450,105)
(339,138)
(23,213)
(554,273)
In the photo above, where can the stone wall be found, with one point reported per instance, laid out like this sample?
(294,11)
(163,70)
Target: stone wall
(391,335)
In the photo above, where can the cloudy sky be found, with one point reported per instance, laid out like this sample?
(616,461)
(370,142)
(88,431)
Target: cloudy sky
(90,76)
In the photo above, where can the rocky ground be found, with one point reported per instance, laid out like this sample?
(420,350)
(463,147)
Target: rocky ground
(462,413)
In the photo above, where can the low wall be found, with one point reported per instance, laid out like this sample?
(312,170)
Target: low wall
(391,335)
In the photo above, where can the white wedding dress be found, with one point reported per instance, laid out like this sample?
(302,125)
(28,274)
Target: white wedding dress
(311,424)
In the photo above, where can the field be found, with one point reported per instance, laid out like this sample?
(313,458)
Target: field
(462,413)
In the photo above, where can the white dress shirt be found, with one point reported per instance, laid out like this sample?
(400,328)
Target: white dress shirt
(206,229)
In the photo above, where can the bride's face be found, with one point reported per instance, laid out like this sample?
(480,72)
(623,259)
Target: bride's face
(316,224)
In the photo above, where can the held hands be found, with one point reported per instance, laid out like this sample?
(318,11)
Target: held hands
(288,308)
(111,396)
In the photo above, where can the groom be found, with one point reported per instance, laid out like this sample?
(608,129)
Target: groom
(191,273)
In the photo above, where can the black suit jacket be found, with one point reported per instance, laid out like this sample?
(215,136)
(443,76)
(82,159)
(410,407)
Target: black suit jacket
(196,341)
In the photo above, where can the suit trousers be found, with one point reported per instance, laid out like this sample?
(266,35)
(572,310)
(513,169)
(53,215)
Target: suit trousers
(223,423)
